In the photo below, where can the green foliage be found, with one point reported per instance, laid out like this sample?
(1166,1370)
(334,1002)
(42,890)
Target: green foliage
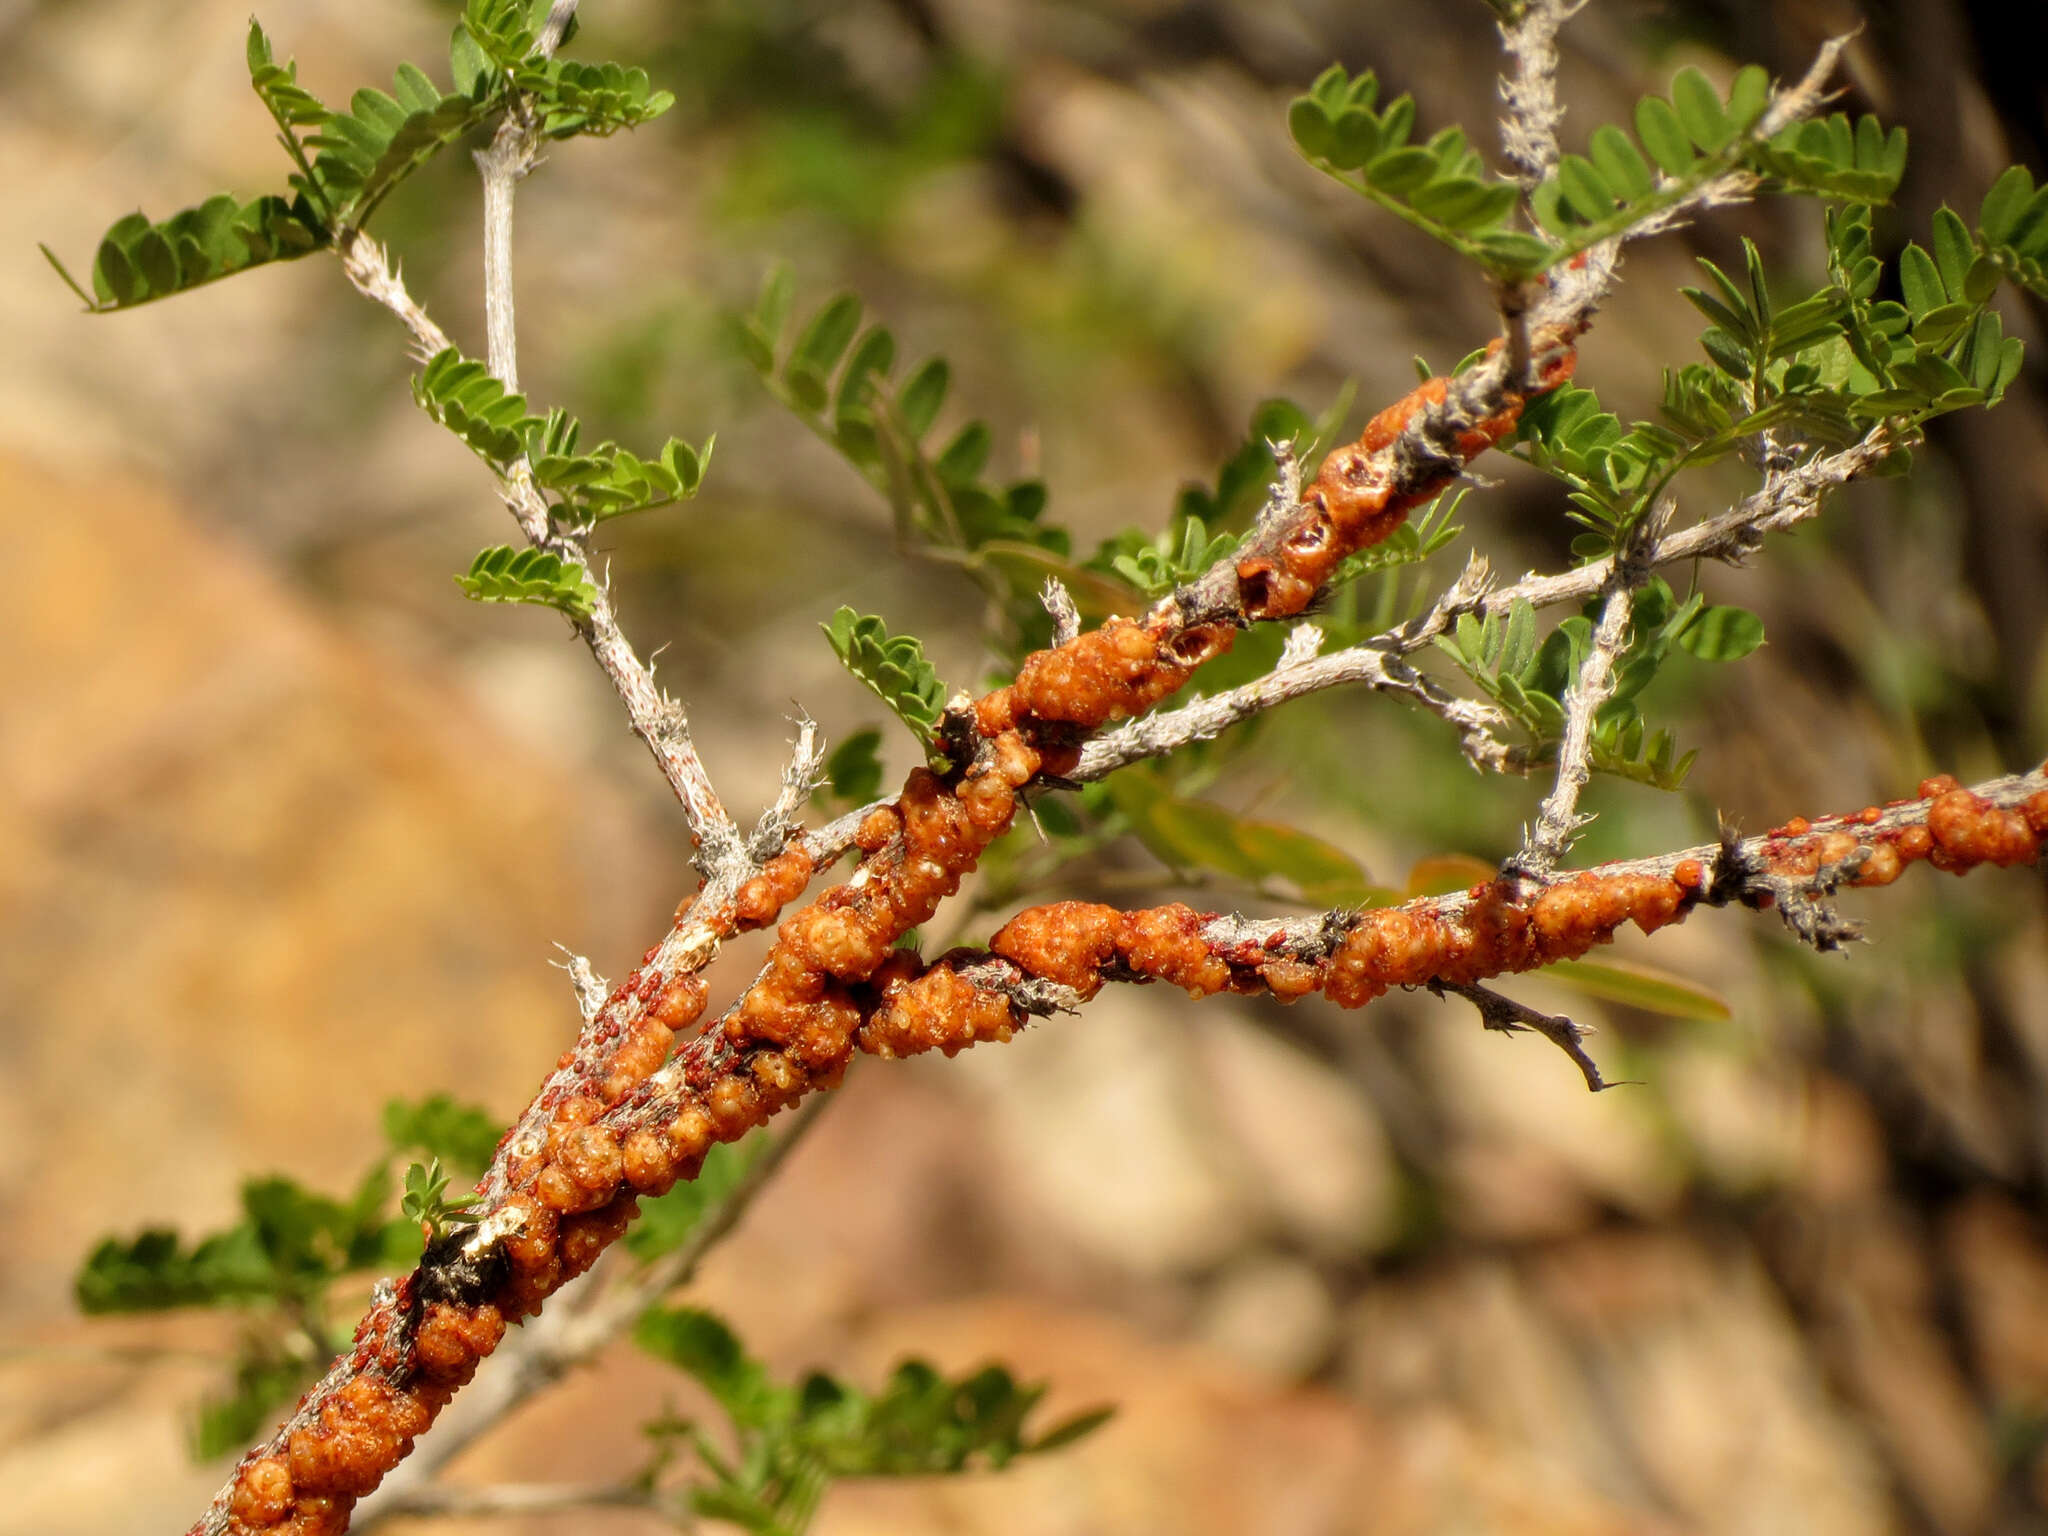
(1442,187)
(349,162)
(426,1203)
(139,261)
(592,486)
(470,401)
(1830,157)
(502,574)
(1943,349)
(154,1272)
(289,1245)
(1820,369)
(893,666)
(499,34)
(492,47)
(853,773)
(2012,229)
(793,1439)
(279,1261)
(1181,552)
(609,481)
(591,99)
(1501,654)
(840,380)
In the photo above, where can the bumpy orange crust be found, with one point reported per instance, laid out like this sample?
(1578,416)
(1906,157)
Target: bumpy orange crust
(1498,931)
(835,983)
(1128,665)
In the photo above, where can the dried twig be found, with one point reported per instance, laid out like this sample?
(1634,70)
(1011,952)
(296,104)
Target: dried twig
(1508,1016)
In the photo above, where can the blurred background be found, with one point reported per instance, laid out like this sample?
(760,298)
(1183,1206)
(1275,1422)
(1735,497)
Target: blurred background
(291,828)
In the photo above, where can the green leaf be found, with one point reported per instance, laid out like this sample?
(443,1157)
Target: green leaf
(964,458)
(1325,875)
(1310,125)
(1921,281)
(1663,135)
(1953,251)
(893,666)
(918,401)
(138,261)
(1069,1431)
(1401,170)
(596,100)
(1723,634)
(853,771)
(1749,93)
(701,1345)
(1584,188)
(466,398)
(1620,163)
(826,337)
(2004,203)
(1641,986)
(426,1201)
(1698,106)
(501,575)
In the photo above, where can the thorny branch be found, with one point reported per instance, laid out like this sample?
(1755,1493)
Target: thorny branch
(1786,498)
(629,1112)
(1501,927)
(568,1336)
(1558,820)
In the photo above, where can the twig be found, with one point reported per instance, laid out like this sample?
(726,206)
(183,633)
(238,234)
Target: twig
(590,987)
(1558,820)
(1528,130)
(783,819)
(658,720)
(1482,728)
(1509,1017)
(1807,858)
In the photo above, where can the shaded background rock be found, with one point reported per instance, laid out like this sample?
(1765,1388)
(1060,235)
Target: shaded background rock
(292,830)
